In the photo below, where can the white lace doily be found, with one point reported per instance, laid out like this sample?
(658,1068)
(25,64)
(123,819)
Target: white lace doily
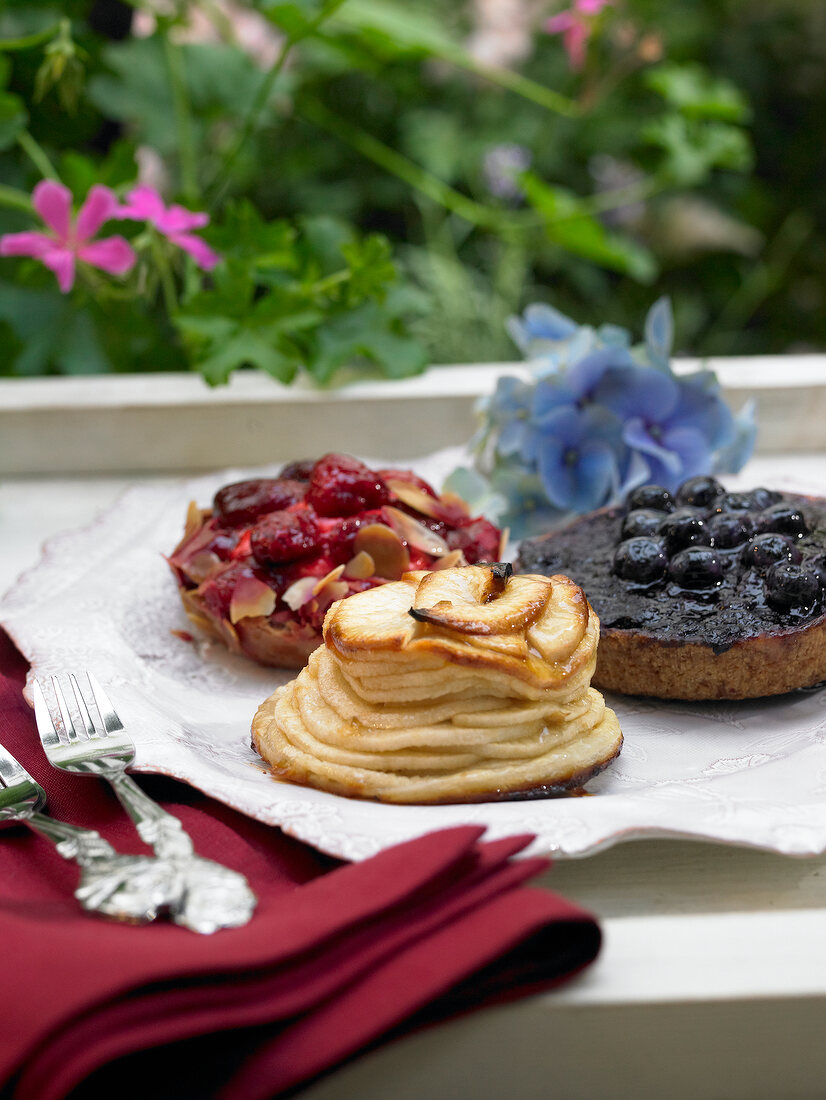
(103,598)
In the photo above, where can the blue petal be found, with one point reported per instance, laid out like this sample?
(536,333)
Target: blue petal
(584,376)
(511,437)
(638,392)
(700,406)
(539,326)
(614,336)
(579,481)
(733,457)
(638,438)
(659,332)
(691,446)
(549,395)
(546,323)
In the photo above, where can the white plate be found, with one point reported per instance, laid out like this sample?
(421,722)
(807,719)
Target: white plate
(103,598)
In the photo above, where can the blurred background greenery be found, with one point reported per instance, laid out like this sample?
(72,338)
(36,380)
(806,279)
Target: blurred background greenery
(686,157)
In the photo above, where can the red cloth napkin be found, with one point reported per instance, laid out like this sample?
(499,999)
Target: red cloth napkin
(336,958)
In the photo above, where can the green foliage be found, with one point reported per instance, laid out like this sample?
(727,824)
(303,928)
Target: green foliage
(349,183)
(283,301)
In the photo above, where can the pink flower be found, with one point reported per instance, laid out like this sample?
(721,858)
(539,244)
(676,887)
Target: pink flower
(144,204)
(71,240)
(576,26)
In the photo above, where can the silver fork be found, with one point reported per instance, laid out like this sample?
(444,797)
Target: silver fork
(127,888)
(208,896)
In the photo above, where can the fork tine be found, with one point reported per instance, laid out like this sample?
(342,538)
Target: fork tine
(108,716)
(81,706)
(43,717)
(10,770)
(69,727)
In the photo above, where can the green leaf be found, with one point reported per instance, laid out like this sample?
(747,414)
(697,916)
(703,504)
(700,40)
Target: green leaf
(694,148)
(245,349)
(399,27)
(243,234)
(694,91)
(370,267)
(570,225)
(13,118)
(366,332)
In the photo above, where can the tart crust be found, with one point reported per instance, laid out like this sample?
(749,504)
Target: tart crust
(635,663)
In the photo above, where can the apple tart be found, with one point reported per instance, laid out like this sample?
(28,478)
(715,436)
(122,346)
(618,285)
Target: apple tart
(463,685)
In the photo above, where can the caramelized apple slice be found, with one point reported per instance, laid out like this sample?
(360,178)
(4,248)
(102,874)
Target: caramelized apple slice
(480,600)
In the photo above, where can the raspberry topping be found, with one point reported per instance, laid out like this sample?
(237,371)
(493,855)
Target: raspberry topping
(284,536)
(340,485)
(244,501)
(478,539)
(298,471)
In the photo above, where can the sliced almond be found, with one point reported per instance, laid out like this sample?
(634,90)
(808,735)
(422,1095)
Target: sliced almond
(201,566)
(390,555)
(414,497)
(415,534)
(251,598)
(333,575)
(194,518)
(299,592)
(336,590)
(360,567)
(451,560)
(504,538)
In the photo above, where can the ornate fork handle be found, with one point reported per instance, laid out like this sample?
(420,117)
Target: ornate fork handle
(163,832)
(128,888)
(84,846)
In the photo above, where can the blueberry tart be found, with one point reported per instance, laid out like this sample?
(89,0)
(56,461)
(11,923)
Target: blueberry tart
(703,593)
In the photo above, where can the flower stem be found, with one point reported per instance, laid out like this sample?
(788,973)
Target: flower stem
(36,154)
(410,172)
(14,199)
(183,118)
(219,182)
(167,279)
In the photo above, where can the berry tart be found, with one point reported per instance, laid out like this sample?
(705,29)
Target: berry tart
(703,594)
(259,569)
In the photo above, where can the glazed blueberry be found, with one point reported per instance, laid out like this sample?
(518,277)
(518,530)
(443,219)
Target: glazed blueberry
(650,496)
(696,567)
(699,491)
(735,502)
(640,560)
(791,587)
(764,498)
(729,529)
(642,521)
(765,550)
(785,519)
(683,528)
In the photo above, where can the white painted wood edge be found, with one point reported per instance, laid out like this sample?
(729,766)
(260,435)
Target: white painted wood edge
(701,958)
(745,373)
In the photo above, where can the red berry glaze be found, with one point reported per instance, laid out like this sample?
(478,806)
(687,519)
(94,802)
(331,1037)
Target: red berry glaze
(244,501)
(284,536)
(478,539)
(340,485)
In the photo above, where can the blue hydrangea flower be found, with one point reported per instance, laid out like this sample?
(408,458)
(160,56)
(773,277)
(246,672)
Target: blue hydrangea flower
(598,416)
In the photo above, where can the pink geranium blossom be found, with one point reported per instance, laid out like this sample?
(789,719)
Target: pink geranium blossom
(144,204)
(71,240)
(575,26)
